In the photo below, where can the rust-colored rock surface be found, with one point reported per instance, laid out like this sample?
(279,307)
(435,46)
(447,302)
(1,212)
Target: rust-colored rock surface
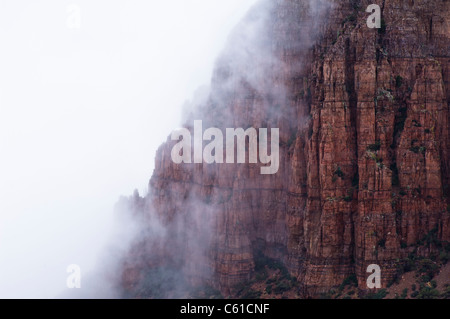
(364,152)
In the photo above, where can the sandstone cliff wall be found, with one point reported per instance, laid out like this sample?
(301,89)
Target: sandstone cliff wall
(364,149)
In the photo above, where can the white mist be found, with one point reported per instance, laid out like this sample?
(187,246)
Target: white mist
(88,91)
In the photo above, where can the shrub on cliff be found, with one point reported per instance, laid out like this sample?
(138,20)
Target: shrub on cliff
(428,293)
(377,295)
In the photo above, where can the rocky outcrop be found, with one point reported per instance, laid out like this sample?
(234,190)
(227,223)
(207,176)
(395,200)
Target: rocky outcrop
(364,150)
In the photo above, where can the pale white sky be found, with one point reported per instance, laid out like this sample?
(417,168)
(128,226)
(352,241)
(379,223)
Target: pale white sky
(82,112)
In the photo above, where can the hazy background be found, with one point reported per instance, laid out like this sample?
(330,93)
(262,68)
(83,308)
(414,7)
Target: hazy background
(84,104)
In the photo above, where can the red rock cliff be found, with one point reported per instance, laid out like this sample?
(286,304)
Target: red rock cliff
(364,150)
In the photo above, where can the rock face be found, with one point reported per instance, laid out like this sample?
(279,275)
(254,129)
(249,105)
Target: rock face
(364,150)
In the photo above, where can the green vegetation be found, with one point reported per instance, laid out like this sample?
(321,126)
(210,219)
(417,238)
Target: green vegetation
(205,292)
(351,281)
(398,81)
(351,18)
(417,149)
(382,93)
(444,257)
(281,287)
(279,282)
(261,275)
(356,5)
(338,172)
(431,238)
(427,292)
(269,289)
(251,294)
(377,295)
(374,147)
(404,293)
(416,123)
(376,158)
(428,267)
